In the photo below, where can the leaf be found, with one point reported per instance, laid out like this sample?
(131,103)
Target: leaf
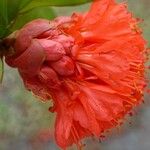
(39,3)
(3,17)
(2,30)
(40,12)
(1,70)
(12,10)
(8,11)
(3,12)
(23,3)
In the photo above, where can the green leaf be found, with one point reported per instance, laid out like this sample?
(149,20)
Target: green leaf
(8,11)
(12,11)
(39,3)
(1,69)
(3,12)
(3,17)
(40,12)
(2,30)
(23,3)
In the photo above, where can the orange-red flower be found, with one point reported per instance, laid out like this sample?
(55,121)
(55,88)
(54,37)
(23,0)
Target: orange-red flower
(91,65)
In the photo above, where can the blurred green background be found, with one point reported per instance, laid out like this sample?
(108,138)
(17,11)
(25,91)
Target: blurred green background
(26,124)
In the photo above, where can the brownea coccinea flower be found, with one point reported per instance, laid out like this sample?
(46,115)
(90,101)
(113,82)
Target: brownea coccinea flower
(91,65)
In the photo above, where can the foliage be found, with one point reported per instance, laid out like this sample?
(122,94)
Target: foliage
(12,10)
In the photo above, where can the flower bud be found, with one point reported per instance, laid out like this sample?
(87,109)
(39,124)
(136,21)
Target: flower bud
(40,43)
(64,66)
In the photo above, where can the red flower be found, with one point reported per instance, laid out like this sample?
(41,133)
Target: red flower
(91,65)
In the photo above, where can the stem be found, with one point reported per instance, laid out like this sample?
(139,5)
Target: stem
(6,45)
(2,70)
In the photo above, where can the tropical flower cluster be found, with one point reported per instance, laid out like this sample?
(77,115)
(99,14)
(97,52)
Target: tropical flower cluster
(91,65)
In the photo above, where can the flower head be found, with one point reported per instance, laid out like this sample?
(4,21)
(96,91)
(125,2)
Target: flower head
(91,65)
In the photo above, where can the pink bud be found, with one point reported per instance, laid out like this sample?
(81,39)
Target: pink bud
(54,50)
(49,77)
(43,50)
(64,66)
